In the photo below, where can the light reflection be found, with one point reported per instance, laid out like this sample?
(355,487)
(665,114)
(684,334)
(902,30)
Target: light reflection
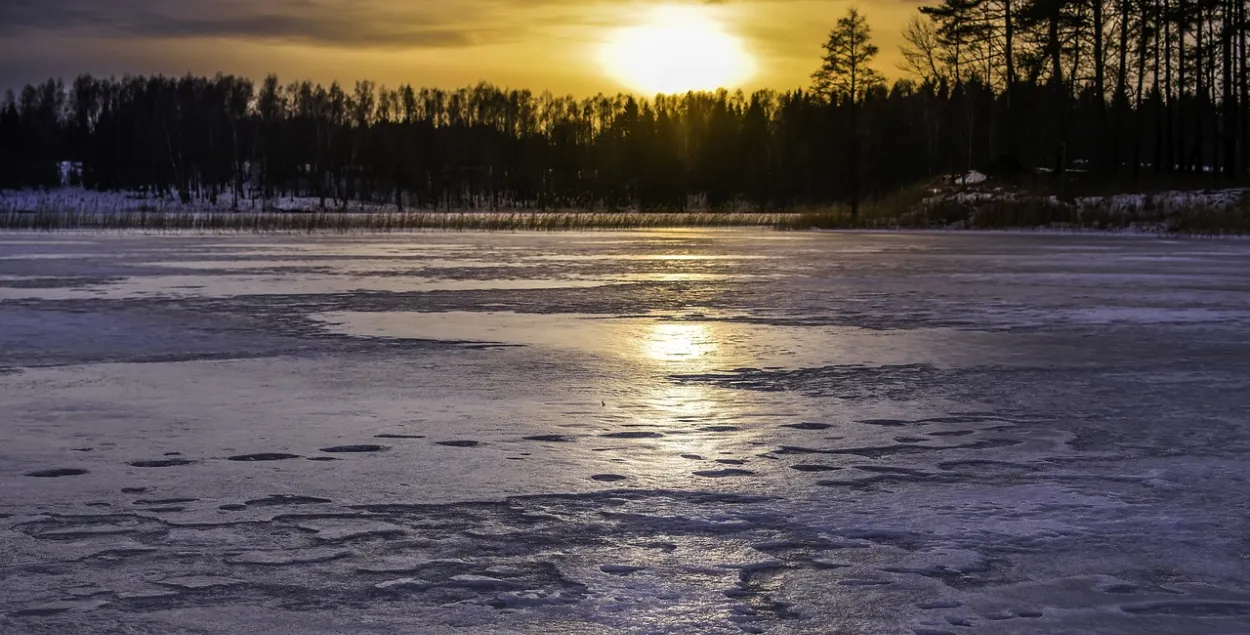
(684,413)
(678,404)
(680,343)
(698,423)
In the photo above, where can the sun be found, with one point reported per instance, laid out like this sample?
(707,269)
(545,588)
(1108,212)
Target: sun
(678,49)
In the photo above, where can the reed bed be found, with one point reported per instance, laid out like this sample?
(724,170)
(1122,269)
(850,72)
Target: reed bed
(350,222)
(914,208)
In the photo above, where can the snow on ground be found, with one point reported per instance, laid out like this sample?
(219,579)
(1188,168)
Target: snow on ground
(1164,202)
(1149,211)
(972,188)
(84,201)
(654,432)
(971,178)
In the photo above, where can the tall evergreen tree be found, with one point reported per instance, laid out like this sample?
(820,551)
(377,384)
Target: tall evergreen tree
(846,76)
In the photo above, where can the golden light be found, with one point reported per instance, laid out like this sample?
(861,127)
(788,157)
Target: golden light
(679,342)
(678,49)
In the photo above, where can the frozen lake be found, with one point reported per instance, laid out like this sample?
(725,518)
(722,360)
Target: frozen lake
(653,432)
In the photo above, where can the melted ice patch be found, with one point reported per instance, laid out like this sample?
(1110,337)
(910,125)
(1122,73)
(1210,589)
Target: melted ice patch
(685,345)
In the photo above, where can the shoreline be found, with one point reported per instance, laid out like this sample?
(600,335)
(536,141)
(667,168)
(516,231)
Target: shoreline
(1074,232)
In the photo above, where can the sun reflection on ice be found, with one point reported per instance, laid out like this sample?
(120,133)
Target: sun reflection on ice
(699,424)
(688,343)
(676,404)
(673,348)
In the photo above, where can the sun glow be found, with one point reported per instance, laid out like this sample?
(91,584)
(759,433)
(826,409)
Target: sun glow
(678,49)
(679,342)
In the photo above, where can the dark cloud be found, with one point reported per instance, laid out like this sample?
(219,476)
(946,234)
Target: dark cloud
(356,23)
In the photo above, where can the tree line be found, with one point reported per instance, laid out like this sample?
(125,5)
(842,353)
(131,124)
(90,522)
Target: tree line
(1116,85)
(1127,91)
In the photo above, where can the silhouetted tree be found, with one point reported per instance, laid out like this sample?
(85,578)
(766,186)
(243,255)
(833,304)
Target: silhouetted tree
(1155,92)
(846,77)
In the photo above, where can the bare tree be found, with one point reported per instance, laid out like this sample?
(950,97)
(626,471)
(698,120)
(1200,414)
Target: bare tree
(924,53)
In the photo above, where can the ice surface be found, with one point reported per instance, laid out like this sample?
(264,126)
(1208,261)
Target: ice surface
(654,432)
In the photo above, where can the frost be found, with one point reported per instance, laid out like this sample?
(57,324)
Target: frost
(713,432)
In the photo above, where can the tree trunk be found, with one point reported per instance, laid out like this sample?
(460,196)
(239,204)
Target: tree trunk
(1100,90)
(1060,95)
(1169,150)
(1182,30)
(1200,96)
(1009,58)
(1230,98)
(1160,114)
(854,157)
(1009,47)
(1121,87)
(1141,75)
(1244,79)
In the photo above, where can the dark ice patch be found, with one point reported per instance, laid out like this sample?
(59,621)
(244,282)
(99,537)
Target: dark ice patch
(889,423)
(161,463)
(57,282)
(632,435)
(620,569)
(1120,588)
(958,419)
(726,473)
(277,500)
(57,472)
(808,426)
(351,449)
(39,611)
(264,456)
(459,444)
(1189,608)
(164,501)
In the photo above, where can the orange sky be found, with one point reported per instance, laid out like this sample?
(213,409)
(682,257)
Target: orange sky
(535,44)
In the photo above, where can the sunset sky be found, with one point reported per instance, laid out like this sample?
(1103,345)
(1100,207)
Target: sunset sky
(567,46)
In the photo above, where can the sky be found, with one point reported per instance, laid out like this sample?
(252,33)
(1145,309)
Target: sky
(556,45)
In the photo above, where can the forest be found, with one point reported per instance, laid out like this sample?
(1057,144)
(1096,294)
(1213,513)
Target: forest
(1126,94)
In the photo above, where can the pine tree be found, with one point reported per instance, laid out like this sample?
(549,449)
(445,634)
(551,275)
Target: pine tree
(845,77)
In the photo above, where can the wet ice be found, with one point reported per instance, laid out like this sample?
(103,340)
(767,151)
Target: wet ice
(714,432)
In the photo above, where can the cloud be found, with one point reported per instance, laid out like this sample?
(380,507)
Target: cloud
(534,43)
(353,23)
(360,24)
